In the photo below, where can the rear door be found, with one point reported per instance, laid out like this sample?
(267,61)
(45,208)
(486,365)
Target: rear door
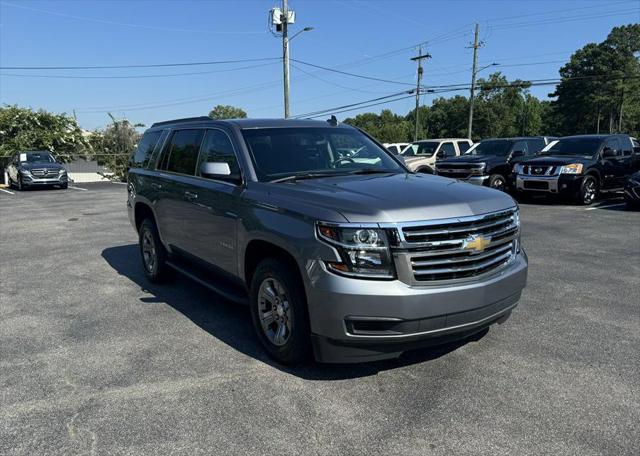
(210,222)
(176,168)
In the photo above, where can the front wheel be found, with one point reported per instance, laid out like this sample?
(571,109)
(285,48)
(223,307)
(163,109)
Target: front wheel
(588,190)
(498,182)
(19,183)
(279,312)
(154,255)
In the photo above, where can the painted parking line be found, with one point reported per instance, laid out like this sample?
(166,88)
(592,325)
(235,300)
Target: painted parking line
(78,188)
(119,183)
(604,207)
(7,191)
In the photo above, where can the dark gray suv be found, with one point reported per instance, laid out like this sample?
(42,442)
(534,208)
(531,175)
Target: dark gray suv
(337,248)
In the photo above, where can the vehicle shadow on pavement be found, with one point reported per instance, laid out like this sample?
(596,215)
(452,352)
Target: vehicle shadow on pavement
(231,323)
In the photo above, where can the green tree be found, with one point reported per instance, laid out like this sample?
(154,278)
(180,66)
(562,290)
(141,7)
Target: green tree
(227,112)
(26,129)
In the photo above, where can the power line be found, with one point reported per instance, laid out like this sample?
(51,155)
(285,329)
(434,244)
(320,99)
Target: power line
(386,97)
(351,74)
(154,65)
(124,24)
(144,76)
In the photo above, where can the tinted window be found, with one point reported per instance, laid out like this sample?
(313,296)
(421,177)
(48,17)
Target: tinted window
(574,146)
(520,146)
(182,152)
(393,149)
(613,144)
(217,147)
(283,152)
(448,150)
(535,145)
(141,155)
(499,147)
(421,148)
(463,146)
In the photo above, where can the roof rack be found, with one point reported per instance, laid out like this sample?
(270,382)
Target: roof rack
(186,119)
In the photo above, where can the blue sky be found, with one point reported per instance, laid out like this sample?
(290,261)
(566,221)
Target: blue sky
(531,39)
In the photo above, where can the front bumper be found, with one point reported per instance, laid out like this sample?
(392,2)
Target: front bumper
(356,320)
(33,181)
(558,184)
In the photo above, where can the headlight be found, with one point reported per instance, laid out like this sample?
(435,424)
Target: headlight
(573,168)
(478,168)
(62,171)
(634,182)
(364,251)
(517,169)
(26,171)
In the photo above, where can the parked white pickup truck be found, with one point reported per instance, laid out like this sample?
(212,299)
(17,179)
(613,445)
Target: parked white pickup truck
(421,156)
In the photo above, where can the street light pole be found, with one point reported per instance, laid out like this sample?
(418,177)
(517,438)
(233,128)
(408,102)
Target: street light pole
(285,56)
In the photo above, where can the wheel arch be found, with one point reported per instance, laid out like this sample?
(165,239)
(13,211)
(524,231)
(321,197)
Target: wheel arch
(141,212)
(260,249)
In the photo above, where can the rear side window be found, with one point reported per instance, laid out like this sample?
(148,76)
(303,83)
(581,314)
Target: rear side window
(181,154)
(217,148)
(143,152)
(463,146)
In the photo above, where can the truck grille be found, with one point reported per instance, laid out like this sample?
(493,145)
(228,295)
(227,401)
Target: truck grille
(459,170)
(461,248)
(537,170)
(44,172)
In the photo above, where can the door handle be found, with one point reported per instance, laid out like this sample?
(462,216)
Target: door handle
(190,195)
(155,186)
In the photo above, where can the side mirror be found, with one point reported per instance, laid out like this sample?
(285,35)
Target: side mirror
(215,169)
(608,152)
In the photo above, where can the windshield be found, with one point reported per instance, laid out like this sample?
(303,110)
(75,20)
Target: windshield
(574,146)
(499,147)
(421,148)
(37,157)
(282,152)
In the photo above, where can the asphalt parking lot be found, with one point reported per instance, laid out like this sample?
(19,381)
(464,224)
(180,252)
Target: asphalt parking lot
(95,360)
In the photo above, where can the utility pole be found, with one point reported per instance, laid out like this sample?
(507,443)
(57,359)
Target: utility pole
(418,59)
(285,55)
(475,46)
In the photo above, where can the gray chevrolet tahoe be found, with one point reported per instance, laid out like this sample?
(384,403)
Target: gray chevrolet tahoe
(338,249)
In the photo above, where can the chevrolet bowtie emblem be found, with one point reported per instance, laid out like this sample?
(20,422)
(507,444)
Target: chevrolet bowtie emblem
(476,243)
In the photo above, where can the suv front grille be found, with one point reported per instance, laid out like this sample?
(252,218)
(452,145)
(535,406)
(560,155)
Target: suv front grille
(44,172)
(539,170)
(461,248)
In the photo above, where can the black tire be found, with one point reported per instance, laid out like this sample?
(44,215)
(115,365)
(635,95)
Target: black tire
(19,185)
(632,205)
(498,182)
(152,252)
(588,190)
(64,186)
(296,348)
(10,182)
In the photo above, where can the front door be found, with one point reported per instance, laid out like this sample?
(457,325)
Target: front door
(614,166)
(210,225)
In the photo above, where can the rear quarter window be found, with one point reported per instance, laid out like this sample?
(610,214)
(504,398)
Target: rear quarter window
(142,154)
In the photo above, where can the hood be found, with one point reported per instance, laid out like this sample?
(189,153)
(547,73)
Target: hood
(388,198)
(27,165)
(551,160)
(473,159)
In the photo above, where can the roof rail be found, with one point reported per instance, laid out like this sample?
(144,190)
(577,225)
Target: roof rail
(186,119)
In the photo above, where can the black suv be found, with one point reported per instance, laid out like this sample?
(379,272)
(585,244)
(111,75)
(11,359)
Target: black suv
(580,167)
(490,161)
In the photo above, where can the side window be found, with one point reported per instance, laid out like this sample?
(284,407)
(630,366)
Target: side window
(463,146)
(393,149)
(535,145)
(448,150)
(181,154)
(636,146)
(143,152)
(520,146)
(217,147)
(613,144)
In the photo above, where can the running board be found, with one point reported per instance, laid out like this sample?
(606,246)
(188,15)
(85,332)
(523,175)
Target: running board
(207,280)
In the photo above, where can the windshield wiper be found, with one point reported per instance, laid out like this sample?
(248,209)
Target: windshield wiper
(302,176)
(371,171)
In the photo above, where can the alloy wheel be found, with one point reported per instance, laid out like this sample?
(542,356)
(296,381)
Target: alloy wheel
(149,251)
(589,191)
(274,311)
(498,184)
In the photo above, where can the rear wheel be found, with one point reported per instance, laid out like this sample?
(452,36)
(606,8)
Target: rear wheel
(498,182)
(588,190)
(153,253)
(279,312)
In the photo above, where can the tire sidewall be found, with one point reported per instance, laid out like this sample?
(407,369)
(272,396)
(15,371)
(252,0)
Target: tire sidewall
(297,349)
(496,177)
(581,195)
(159,272)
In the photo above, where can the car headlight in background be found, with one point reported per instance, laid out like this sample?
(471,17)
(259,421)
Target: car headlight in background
(364,252)
(62,171)
(517,168)
(478,168)
(573,168)
(26,172)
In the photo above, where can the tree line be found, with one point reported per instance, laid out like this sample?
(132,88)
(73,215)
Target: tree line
(599,92)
